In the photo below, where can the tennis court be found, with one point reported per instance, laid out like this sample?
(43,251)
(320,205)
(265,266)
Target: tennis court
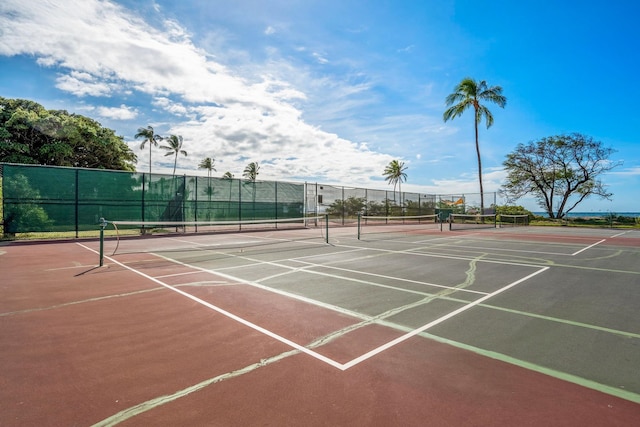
(387,324)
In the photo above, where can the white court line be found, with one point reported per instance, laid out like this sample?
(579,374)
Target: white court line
(178,274)
(499,249)
(435,322)
(432,255)
(414,251)
(251,325)
(303,349)
(380,276)
(313,265)
(588,247)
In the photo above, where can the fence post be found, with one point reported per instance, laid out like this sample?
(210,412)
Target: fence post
(103,224)
(326,228)
(195,203)
(343,206)
(77,198)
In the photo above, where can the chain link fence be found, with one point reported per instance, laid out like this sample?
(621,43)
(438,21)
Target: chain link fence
(59,199)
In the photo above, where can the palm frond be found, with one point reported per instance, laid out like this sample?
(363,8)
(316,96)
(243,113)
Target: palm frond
(484,112)
(494,95)
(457,110)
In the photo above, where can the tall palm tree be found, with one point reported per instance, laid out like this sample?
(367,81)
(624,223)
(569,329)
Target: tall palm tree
(470,93)
(149,136)
(394,173)
(207,164)
(174,148)
(251,171)
(229,177)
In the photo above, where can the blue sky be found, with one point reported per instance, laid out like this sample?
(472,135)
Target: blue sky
(331,91)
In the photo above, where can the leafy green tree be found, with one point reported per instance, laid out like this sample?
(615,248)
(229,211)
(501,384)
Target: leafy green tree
(148,135)
(350,207)
(422,208)
(227,175)
(24,216)
(374,208)
(470,94)
(174,148)
(558,171)
(513,210)
(31,134)
(394,172)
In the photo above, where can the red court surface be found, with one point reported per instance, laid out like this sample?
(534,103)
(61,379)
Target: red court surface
(145,340)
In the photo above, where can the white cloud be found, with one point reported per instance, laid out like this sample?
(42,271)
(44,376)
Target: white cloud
(407,49)
(118,113)
(231,111)
(320,58)
(634,171)
(83,84)
(173,107)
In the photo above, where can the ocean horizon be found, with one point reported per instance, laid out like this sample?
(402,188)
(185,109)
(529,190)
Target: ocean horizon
(594,214)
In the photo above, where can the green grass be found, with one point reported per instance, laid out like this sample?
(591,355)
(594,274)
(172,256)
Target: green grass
(612,221)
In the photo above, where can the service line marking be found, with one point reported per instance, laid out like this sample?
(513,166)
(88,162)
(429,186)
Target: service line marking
(302,348)
(437,321)
(178,274)
(619,234)
(588,247)
(228,314)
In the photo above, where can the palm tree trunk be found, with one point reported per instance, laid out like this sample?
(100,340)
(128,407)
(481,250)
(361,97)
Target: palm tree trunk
(479,169)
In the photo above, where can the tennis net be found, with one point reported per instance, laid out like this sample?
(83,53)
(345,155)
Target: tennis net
(398,224)
(158,236)
(469,221)
(513,220)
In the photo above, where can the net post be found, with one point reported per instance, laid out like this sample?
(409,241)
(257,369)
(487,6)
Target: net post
(359,217)
(103,224)
(326,228)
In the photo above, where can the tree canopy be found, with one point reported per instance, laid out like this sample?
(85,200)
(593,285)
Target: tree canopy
(558,171)
(31,134)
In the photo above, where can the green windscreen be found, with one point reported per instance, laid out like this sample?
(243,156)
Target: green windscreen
(42,198)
